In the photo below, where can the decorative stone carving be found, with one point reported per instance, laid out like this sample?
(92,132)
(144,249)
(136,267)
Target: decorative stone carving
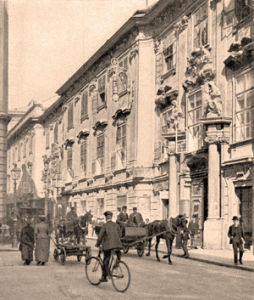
(92,87)
(181,25)
(242,53)
(213,103)
(109,177)
(82,135)
(77,98)
(100,125)
(133,52)
(68,143)
(157,43)
(199,69)
(89,181)
(165,96)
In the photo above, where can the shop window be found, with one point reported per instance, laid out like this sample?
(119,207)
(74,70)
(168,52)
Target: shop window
(194,126)
(201,26)
(244,111)
(83,155)
(84,106)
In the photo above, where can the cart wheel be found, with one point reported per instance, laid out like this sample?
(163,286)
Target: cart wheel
(140,252)
(63,256)
(79,257)
(56,255)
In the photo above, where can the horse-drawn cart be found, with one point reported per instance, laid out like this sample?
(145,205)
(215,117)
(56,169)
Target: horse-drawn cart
(63,250)
(135,237)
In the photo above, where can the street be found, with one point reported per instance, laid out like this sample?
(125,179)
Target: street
(185,279)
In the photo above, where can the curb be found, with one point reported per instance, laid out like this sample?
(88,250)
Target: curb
(221,264)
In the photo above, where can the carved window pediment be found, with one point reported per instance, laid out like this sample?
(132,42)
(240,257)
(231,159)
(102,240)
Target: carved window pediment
(100,125)
(68,143)
(241,53)
(165,96)
(83,134)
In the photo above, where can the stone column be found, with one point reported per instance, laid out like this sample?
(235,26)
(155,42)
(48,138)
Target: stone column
(4,118)
(173,196)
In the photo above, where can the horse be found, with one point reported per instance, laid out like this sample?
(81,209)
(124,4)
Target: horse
(160,226)
(75,229)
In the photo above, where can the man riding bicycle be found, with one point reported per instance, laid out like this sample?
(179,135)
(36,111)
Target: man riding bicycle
(110,239)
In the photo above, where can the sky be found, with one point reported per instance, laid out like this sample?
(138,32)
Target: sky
(49,40)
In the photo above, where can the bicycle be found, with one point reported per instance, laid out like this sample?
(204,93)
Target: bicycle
(118,271)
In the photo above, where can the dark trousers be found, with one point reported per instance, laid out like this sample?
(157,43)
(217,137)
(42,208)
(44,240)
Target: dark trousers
(235,248)
(184,245)
(106,259)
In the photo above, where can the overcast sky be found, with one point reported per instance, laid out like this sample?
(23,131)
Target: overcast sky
(49,40)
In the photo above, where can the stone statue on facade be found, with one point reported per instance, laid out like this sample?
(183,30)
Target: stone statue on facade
(213,105)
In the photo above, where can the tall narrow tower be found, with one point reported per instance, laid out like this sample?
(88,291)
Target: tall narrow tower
(4,118)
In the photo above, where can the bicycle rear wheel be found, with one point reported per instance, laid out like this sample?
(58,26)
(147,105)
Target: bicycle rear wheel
(93,270)
(121,276)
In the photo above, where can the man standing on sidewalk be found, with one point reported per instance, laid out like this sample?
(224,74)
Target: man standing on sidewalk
(235,233)
(193,229)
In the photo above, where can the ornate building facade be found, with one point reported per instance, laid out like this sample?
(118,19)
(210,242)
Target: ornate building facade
(161,118)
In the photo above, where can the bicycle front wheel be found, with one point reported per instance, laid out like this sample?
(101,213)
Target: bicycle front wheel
(121,276)
(93,270)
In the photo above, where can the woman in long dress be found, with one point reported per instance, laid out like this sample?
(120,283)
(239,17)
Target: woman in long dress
(27,243)
(42,239)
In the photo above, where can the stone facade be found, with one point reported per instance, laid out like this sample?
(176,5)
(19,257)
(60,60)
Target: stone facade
(161,117)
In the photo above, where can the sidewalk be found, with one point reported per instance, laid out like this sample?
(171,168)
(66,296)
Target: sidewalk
(216,257)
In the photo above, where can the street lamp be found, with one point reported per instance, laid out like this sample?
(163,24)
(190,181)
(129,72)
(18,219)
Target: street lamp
(15,175)
(46,161)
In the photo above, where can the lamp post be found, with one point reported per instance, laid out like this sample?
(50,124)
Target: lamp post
(46,161)
(15,174)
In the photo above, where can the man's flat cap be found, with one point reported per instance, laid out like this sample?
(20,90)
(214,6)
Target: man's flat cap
(108,213)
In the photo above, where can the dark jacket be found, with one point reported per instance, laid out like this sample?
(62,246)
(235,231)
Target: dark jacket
(122,218)
(136,218)
(235,234)
(193,227)
(109,236)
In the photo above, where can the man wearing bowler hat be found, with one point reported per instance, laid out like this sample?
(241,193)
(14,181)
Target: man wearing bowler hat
(110,238)
(235,233)
(122,219)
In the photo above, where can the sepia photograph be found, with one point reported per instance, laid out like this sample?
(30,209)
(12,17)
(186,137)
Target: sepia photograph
(127,149)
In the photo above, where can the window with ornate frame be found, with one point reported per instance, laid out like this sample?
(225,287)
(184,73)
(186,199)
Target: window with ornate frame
(123,82)
(101,150)
(83,156)
(196,135)
(200,21)
(121,141)
(69,158)
(101,92)
(56,133)
(47,139)
(70,116)
(31,144)
(244,106)
(84,106)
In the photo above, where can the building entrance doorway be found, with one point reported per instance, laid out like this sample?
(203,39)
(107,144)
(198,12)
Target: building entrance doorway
(244,195)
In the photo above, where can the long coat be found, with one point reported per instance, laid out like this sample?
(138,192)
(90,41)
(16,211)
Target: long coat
(235,233)
(109,236)
(27,243)
(41,232)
